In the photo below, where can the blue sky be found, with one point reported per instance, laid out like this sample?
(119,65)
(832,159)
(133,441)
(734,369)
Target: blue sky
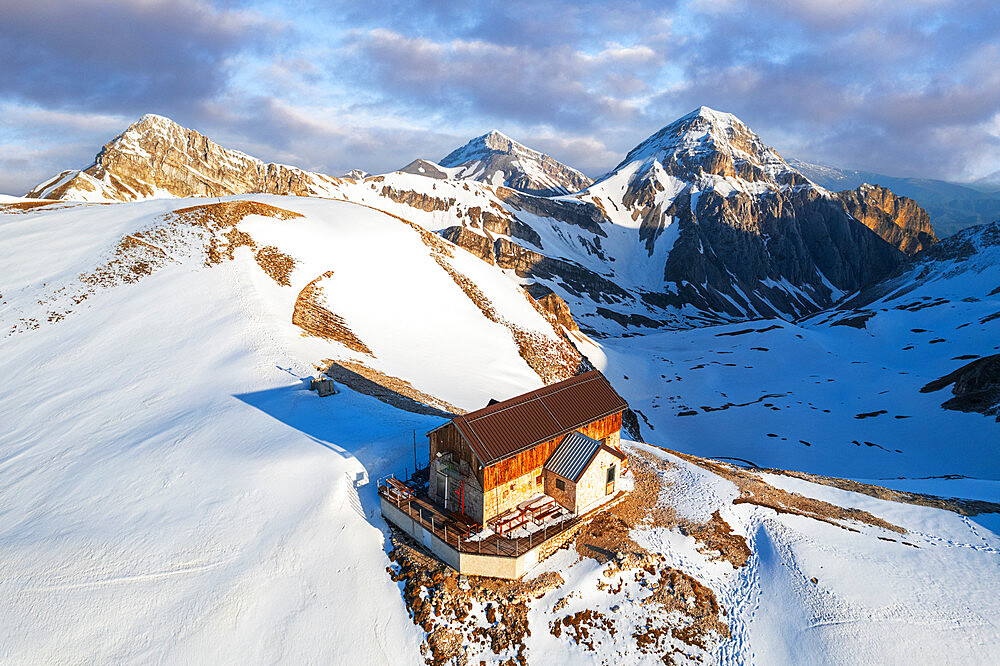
(903,88)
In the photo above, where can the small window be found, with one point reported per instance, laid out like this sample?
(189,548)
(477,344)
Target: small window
(611,474)
(538,480)
(560,484)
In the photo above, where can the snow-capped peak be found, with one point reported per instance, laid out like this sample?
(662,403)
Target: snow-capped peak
(481,146)
(149,118)
(497,159)
(707,142)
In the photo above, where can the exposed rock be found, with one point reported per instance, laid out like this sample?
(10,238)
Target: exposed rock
(583,214)
(505,226)
(630,319)
(389,389)
(745,247)
(313,316)
(557,307)
(576,279)
(754,490)
(899,220)
(417,199)
(976,387)
(276,264)
(475,243)
(156,155)
(425,168)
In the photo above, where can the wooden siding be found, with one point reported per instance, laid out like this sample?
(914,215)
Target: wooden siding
(449,440)
(526,462)
(511,481)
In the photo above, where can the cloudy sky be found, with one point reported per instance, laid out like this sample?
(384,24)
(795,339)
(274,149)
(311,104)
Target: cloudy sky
(902,88)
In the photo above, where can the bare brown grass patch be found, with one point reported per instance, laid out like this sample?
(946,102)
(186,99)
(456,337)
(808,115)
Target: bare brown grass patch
(314,318)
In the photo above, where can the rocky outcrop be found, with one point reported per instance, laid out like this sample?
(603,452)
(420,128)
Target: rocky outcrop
(899,220)
(975,387)
(560,312)
(156,156)
(505,226)
(739,254)
(424,168)
(526,263)
(573,277)
(497,159)
(415,199)
(312,315)
(583,214)
(475,243)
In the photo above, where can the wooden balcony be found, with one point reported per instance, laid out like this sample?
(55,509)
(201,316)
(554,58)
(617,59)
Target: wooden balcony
(460,534)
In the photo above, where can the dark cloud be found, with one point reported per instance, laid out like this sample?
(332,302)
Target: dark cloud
(902,88)
(554,85)
(317,141)
(523,23)
(120,55)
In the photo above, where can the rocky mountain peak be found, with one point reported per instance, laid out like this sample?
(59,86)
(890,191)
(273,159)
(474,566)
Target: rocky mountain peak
(497,140)
(497,159)
(707,142)
(493,141)
(157,157)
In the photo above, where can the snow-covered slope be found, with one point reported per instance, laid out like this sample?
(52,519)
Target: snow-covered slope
(175,493)
(840,392)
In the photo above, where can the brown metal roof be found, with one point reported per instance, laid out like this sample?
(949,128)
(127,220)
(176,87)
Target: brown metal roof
(506,428)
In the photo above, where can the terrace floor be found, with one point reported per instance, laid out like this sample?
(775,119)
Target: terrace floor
(456,530)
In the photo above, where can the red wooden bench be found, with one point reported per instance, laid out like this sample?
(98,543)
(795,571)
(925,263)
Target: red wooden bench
(547,512)
(399,489)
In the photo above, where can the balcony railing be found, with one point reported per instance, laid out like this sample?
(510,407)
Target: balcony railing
(458,534)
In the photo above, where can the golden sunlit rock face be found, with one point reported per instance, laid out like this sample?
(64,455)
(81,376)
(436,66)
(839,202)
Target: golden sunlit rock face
(157,156)
(899,220)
